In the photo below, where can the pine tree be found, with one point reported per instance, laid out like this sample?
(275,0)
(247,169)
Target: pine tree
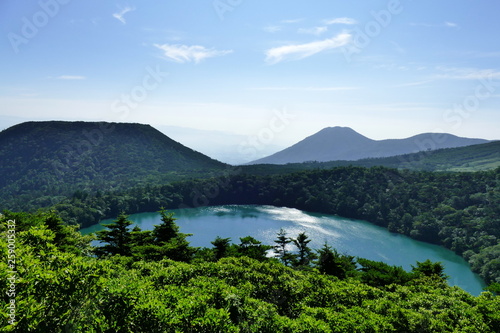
(167,230)
(221,247)
(252,248)
(167,241)
(280,248)
(117,238)
(332,263)
(429,268)
(306,255)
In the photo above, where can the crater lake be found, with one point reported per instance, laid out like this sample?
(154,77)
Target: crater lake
(348,236)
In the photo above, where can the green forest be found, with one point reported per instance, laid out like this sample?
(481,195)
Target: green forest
(460,211)
(154,281)
(61,176)
(48,161)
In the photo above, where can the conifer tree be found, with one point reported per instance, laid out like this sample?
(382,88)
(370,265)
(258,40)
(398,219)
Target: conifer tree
(333,263)
(117,238)
(167,230)
(306,254)
(221,247)
(252,248)
(167,241)
(280,248)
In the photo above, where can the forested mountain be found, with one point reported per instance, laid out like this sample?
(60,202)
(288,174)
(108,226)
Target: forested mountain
(479,157)
(343,143)
(40,161)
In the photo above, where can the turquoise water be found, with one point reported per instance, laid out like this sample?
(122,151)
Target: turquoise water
(353,237)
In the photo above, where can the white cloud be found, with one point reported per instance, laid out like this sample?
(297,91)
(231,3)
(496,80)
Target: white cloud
(313,31)
(306,88)
(292,21)
(273,28)
(454,73)
(300,51)
(414,84)
(193,53)
(120,14)
(71,77)
(432,25)
(341,20)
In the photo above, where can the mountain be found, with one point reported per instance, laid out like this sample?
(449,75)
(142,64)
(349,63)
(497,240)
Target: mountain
(343,143)
(479,157)
(40,161)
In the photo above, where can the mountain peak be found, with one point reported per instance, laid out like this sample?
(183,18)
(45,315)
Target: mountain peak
(343,143)
(92,156)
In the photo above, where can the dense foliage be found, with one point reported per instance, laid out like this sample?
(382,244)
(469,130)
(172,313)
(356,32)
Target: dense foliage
(460,211)
(43,162)
(61,288)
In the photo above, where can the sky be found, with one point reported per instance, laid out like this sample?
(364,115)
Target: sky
(239,79)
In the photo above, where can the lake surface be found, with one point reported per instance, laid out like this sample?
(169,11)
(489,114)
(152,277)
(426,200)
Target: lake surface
(353,237)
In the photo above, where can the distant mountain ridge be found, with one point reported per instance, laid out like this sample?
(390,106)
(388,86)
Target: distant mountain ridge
(343,143)
(41,160)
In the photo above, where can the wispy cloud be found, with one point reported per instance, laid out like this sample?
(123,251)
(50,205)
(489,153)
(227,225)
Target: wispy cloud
(301,51)
(341,20)
(305,88)
(292,21)
(313,31)
(438,25)
(273,28)
(479,54)
(454,73)
(70,77)
(413,84)
(192,53)
(120,15)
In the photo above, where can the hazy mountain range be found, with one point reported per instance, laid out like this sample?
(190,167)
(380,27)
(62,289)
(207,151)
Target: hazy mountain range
(41,162)
(343,143)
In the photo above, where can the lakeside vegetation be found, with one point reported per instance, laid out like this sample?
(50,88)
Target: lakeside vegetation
(153,281)
(460,211)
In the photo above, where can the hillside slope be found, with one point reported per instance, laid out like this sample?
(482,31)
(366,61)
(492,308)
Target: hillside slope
(40,160)
(343,143)
(479,157)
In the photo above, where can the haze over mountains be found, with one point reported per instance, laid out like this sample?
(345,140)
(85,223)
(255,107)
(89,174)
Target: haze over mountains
(343,143)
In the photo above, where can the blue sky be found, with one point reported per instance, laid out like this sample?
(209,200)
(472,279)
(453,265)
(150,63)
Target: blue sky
(269,71)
